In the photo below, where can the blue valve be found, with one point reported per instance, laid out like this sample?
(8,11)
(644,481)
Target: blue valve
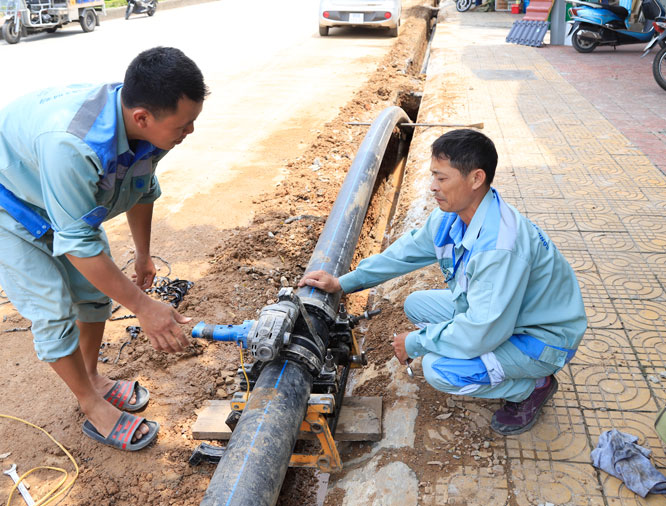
(230,333)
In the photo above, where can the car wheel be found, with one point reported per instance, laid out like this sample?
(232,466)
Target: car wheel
(323,30)
(10,32)
(393,32)
(88,20)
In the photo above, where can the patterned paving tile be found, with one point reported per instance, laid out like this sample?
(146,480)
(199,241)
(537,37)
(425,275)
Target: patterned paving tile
(546,482)
(650,348)
(612,388)
(591,286)
(648,232)
(468,485)
(587,221)
(608,241)
(605,347)
(535,205)
(627,276)
(580,261)
(558,435)
(657,262)
(553,221)
(600,313)
(641,314)
(571,238)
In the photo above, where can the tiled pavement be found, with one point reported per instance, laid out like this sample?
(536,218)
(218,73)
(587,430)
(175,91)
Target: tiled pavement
(579,138)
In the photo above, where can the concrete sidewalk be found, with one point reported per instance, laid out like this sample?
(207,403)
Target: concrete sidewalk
(578,141)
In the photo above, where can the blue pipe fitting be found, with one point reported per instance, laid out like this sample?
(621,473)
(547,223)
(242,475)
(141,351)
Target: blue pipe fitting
(231,333)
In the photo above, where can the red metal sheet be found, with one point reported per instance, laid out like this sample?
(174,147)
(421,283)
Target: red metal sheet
(538,10)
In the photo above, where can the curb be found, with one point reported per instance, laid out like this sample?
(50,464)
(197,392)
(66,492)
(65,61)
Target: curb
(119,12)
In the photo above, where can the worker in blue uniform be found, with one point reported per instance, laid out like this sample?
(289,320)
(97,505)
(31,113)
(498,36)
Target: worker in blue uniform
(511,314)
(71,158)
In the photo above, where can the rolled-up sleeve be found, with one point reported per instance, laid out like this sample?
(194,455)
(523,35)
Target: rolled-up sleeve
(153,192)
(70,172)
(496,292)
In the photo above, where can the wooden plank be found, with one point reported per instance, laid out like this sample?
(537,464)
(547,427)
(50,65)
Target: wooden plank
(360,420)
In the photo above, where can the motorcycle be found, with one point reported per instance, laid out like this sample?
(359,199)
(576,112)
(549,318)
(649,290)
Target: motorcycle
(597,24)
(140,6)
(659,62)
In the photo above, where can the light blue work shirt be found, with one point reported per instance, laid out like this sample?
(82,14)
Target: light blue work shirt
(64,154)
(506,276)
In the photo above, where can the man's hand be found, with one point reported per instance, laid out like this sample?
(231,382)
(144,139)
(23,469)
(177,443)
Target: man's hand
(145,271)
(322,280)
(161,323)
(399,347)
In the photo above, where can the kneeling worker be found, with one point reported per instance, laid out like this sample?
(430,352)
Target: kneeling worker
(512,314)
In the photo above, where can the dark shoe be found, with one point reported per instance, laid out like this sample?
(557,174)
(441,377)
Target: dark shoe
(518,417)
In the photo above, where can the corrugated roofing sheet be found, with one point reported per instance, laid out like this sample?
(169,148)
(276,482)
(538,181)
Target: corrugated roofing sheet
(531,30)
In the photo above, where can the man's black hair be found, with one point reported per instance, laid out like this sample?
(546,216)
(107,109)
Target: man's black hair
(467,150)
(159,77)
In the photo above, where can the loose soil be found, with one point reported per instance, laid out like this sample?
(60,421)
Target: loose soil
(246,267)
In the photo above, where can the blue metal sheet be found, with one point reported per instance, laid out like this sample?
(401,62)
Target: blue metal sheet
(528,33)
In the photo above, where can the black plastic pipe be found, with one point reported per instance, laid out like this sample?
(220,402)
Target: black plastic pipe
(337,242)
(257,457)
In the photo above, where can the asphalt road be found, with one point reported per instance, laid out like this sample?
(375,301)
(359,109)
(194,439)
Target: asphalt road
(274,83)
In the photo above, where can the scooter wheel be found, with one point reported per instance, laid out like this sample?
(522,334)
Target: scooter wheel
(463,5)
(659,68)
(582,45)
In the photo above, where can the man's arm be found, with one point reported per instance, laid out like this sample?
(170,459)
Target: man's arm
(139,219)
(159,321)
(495,296)
(410,252)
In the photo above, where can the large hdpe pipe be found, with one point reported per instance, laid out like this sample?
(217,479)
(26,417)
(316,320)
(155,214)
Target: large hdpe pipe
(256,459)
(337,242)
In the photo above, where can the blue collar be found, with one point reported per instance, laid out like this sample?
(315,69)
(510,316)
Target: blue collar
(467,234)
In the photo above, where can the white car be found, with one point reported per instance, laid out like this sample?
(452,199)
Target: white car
(377,13)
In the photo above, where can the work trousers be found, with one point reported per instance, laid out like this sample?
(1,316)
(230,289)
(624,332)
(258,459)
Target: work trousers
(505,373)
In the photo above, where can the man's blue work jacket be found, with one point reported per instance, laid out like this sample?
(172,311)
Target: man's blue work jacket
(66,165)
(508,280)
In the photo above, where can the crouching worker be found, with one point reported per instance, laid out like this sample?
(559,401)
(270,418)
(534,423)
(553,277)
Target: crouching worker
(512,314)
(71,158)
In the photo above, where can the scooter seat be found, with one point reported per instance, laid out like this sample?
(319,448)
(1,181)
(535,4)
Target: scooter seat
(619,11)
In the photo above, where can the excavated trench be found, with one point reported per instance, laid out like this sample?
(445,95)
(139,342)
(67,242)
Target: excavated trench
(301,483)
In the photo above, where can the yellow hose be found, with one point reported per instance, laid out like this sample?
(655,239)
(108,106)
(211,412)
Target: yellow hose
(50,497)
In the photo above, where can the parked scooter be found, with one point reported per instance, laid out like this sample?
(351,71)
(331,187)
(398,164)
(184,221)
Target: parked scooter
(598,24)
(659,62)
(140,6)
(463,5)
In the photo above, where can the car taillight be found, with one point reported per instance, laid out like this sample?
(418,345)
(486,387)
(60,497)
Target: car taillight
(326,14)
(387,15)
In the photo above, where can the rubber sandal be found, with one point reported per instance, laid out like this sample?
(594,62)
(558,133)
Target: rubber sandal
(122,432)
(121,393)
